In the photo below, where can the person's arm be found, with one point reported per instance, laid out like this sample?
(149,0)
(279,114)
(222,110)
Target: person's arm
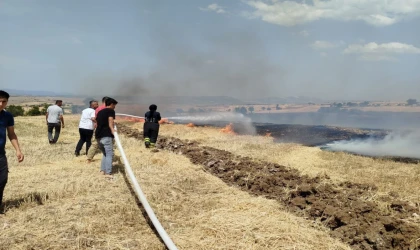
(14,140)
(62,117)
(46,117)
(111,123)
(92,117)
(95,124)
(62,121)
(158,116)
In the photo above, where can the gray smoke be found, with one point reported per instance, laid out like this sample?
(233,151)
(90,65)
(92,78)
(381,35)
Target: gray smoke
(245,123)
(397,143)
(193,61)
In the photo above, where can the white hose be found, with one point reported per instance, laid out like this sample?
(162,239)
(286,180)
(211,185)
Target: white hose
(164,236)
(130,115)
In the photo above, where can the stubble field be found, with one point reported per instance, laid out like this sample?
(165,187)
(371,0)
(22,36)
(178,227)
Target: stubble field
(210,190)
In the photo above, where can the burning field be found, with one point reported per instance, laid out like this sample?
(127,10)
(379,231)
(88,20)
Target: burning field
(212,188)
(345,208)
(377,143)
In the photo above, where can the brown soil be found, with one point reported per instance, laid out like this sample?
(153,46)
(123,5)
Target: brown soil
(344,207)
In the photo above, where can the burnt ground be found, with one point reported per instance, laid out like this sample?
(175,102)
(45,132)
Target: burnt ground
(315,135)
(312,136)
(342,207)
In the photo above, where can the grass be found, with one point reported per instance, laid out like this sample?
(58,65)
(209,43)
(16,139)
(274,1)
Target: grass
(56,201)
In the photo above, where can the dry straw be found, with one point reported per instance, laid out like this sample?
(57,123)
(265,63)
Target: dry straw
(57,201)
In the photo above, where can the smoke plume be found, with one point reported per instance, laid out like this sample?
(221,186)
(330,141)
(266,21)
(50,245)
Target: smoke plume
(243,123)
(397,143)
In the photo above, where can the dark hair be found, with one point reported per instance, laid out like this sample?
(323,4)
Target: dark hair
(4,94)
(105,98)
(110,101)
(92,101)
(153,107)
(58,101)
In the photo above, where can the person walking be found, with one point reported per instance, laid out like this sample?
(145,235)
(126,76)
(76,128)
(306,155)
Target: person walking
(86,126)
(7,123)
(55,121)
(151,126)
(104,134)
(94,148)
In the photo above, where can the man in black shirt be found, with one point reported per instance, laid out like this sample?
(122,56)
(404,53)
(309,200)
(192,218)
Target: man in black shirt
(104,134)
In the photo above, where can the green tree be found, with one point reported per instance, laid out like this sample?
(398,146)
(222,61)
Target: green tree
(277,107)
(364,104)
(263,108)
(251,109)
(411,102)
(43,108)
(34,111)
(16,110)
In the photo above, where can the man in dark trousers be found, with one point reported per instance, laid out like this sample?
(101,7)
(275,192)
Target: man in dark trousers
(104,134)
(6,124)
(55,121)
(151,126)
(94,149)
(86,126)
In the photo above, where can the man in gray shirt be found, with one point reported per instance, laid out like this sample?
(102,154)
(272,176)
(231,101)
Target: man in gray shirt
(55,121)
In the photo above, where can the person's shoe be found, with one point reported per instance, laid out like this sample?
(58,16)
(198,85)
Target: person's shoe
(51,141)
(76,154)
(147,144)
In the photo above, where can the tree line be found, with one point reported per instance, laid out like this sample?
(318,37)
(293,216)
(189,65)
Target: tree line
(17,110)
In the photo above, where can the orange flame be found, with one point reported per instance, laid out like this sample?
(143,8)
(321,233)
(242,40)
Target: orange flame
(190,125)
(165,121)
(267,134)
(228,129)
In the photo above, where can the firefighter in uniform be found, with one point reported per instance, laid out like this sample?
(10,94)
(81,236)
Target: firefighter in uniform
(151,126)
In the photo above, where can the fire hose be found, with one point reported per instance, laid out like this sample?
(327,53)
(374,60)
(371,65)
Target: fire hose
(162,233)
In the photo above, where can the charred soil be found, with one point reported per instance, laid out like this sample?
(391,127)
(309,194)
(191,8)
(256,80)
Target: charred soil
(345,208)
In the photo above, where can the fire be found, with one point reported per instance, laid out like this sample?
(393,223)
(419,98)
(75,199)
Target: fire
(268,134)
(190,125)
(228,129)
(165,121)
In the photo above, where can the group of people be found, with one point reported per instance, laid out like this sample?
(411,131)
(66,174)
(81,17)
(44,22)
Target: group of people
(96,121)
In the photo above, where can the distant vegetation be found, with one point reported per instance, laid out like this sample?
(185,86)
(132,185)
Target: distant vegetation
(411,102)
(16,110)
(34,110)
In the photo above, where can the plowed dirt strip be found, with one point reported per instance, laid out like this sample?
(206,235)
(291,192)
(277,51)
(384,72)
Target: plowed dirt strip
(344,208)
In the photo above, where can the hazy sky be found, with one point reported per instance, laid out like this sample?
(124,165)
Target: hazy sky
(330,49)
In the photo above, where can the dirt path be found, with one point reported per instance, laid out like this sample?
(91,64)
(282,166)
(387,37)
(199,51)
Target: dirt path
(344,208)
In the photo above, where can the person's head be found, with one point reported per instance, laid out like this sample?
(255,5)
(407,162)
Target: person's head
(93,104)
(104,99)
(153,107)
(4,98)
(111,103)
(59,103)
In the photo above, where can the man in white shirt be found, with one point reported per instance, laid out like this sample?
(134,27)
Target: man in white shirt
(55,120)
(86,126)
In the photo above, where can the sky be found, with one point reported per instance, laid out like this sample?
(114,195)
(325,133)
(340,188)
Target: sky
(327,49)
